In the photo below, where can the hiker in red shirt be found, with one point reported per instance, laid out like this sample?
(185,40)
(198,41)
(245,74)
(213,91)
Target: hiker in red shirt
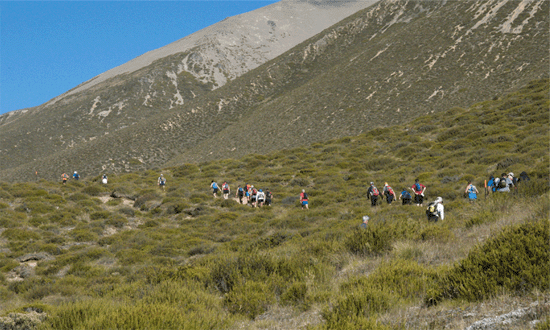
(418,190)
(304,200)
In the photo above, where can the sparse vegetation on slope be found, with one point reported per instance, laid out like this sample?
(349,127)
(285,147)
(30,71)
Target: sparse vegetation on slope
(129,255)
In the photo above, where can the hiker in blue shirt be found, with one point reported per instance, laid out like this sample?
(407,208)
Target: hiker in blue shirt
(472,192)
(405,197)
(215,188)
(491,184)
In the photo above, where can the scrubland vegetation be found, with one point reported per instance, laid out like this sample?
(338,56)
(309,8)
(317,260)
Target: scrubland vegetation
(129,255)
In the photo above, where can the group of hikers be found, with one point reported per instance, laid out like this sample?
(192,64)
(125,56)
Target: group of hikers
(405,197)
(65,177)
(248,194)
(434,212)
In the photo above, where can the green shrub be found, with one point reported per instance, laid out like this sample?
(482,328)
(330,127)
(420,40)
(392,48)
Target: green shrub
(78,197)
(128,211)
(117,221)
(516,260)
(372,240)
(93,190)
(20,234)
(295,294)
(250,299)
(100,215)
(7,264)
(436,232)
(356,307)
(83,235)
(484,216)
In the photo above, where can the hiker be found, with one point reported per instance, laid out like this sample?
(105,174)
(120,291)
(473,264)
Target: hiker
(514,181)
(215,188)
(435,210)
(418,190)
(373,193)
(389,193)
(240,193)
(226,190)
(512,178)
(405,196)
(64,177)
(253,192)
(268,197)
(503,183)
(161,181)
(366,219)
(104,179)
(76,176)
(472,192)
(247,193)
(260,198)
(490,185)
(523,177)
(304,199)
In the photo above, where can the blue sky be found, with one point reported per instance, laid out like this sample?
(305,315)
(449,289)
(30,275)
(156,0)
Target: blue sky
(49,47)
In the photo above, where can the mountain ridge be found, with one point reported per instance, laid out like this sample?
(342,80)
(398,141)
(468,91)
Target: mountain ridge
(370,70)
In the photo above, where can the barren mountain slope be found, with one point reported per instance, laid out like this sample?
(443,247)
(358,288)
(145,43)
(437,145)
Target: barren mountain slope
(165,79)
(386,64)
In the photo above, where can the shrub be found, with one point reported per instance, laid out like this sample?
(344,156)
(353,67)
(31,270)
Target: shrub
(372,240)
(78,197)
(516,260)
(436,232)
(295,294)
(93,190)
(117,221)
(100,215)
(250,299)
(20,234)
(83,235)
(128,211)
(357,307)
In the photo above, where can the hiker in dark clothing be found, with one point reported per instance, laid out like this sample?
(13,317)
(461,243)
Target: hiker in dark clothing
(405,196)
(374,193)
(523,177)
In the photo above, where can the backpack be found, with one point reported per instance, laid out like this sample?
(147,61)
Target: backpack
(417,187)
(502,183)
(431,211)
(406,194)
(241,191)
(375,191)
(226,186)
(268,194)
(304,197)
(390,191)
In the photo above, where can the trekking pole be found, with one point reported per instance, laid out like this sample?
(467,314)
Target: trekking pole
(486,190)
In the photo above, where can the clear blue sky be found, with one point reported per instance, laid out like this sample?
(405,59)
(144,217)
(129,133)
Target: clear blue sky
(49,47)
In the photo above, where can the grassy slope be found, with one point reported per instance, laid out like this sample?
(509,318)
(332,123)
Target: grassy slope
(180,259)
